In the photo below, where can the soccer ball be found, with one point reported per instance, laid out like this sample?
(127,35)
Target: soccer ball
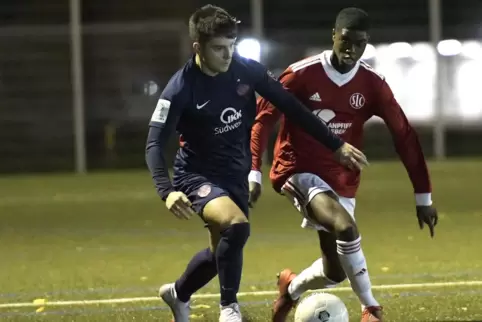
(321,307)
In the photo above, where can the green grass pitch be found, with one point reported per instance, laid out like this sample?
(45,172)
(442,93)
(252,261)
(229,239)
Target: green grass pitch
(107,236)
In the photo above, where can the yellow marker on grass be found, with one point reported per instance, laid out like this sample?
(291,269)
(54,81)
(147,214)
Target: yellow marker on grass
(41,303)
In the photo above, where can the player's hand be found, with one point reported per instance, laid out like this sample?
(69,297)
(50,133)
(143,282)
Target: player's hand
(178,203)
(351,157)
(254,193)
(427,215)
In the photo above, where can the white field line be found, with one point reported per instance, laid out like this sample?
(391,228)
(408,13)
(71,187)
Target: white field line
(44,302)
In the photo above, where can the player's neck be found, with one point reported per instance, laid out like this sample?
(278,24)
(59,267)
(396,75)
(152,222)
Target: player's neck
(341,68)
(203,67)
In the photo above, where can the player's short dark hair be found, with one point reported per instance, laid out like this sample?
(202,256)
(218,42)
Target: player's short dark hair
(211,21)
(352,18)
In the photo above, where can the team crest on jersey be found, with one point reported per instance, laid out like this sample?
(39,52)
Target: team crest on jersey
(357,100)
(242,89)
(204,190)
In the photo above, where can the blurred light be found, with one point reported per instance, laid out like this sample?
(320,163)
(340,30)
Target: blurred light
(250,48)
(370,52)
(423,52)
(400,50)
(468,89)
(449,47)
(419,90)
(150,88)
(472,49)
(383,54)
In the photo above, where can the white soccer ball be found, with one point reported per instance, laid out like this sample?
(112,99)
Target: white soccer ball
(321,307)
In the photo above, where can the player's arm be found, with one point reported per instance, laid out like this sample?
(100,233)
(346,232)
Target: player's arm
(406,144)
(410,151)
(266,118)
(288,104)
(163,122)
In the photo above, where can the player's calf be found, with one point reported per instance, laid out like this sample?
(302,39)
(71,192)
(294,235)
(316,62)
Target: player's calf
(200,270)
(328,212)
(234,230)
(312,278)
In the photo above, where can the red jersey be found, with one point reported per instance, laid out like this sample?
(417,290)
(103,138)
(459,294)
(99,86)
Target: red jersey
(344,102)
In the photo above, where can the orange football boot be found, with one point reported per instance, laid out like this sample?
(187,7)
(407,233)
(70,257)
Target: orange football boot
(284,303)
(372,314)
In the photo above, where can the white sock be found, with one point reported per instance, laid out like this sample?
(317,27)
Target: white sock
(353,262)
(311,278)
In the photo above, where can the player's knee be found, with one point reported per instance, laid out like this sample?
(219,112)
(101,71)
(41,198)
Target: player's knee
(238,218)
(346,229)
(223,213)
(236,234)
(231,219)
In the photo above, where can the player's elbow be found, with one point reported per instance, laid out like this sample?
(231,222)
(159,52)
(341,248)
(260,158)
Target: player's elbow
(150,145)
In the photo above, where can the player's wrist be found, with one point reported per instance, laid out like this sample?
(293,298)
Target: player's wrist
(423,199)
(165,194)
(255,176)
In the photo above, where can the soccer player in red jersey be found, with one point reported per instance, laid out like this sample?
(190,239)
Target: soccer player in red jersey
(344,92)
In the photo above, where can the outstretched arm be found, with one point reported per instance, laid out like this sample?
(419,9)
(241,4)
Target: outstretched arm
(406,144)
(410,151)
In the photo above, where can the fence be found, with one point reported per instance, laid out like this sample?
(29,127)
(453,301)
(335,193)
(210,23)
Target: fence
(126,65)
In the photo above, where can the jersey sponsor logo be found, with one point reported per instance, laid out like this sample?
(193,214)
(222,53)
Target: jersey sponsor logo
(231,118)
(161,111)
(357,100)
(336,127)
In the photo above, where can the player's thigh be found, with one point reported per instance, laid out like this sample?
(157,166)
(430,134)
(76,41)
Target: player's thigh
(223,212)
(214,236)
(208,198)
(326,210)
(316,201)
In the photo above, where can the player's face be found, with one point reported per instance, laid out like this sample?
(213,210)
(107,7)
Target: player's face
(216,54)
(349,46)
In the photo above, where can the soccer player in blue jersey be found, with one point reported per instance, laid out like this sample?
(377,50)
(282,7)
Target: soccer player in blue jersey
(211,103)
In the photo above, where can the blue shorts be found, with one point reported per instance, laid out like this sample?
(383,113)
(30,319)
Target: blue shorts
(201,190)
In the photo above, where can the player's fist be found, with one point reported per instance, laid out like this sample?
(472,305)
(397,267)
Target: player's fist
(178,203)
(254,193)
(351,157)
(427,215)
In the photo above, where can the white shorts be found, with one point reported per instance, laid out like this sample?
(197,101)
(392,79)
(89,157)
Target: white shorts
(301,188)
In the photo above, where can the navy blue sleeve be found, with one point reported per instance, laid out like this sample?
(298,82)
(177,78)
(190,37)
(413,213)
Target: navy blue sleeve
(163,122)
(272,90)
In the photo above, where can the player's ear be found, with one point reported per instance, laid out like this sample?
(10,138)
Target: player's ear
(333,34)
(197,47)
